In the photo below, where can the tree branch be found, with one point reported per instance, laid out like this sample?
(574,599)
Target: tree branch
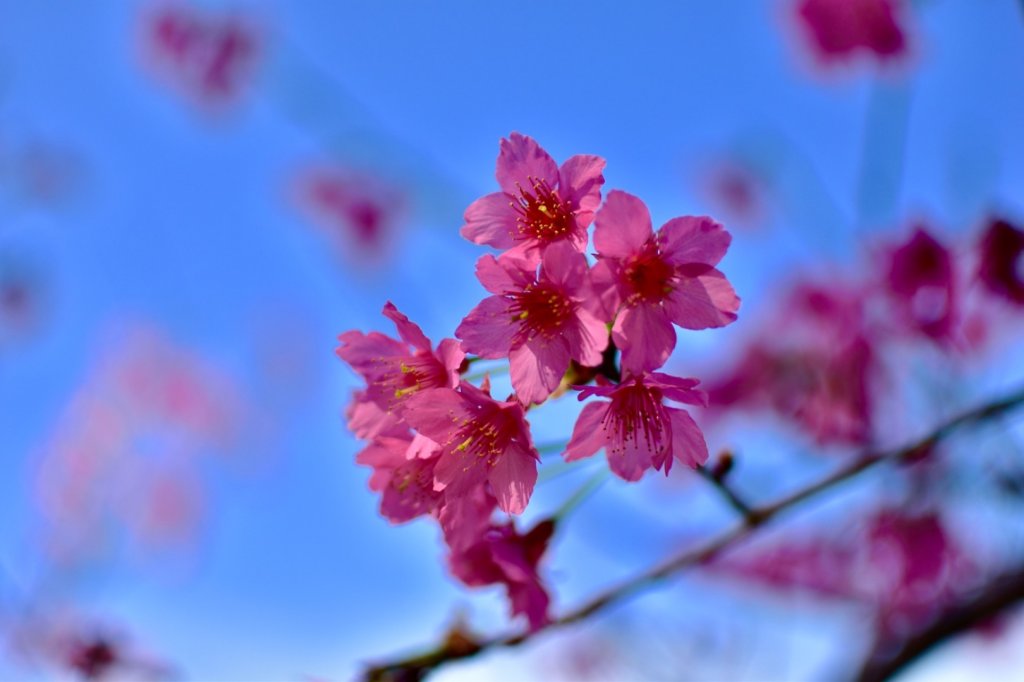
(889,658)
(417,667)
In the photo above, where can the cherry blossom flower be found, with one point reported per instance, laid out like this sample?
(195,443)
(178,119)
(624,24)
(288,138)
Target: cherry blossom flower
(125,457)
(657,279)
(22,297)
(904,565)
(739,188)
(539,203)
(406,483)
(466,517)
(211,59)
(395,370)
(481,439)
(922,279)
(818,368)
(1002,260)
(636,429)
(538,322)
(65,642)
(359,211)
(502,555)
(837,29)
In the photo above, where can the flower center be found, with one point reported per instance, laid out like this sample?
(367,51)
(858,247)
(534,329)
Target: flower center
(542,213)
(637,417)
(648,277)
(404,376)
(540,310)
(485,436)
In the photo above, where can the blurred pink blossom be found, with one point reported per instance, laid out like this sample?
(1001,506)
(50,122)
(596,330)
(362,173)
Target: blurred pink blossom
(209,58)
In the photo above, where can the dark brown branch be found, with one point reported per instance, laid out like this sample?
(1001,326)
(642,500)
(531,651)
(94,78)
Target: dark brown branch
(728,494)
(418,667)
(999,594)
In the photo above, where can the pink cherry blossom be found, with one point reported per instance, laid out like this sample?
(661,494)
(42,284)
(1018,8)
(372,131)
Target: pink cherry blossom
(539,322)
(636,429)
(212,59)
(906,566)
(1002,260)
(360,211)
(406,483)
(481,439)
(539,203)
(394,370)
(657,279)
(922,280)
(502,555)
(839,28)
(466,517)
(123,461)
(366,419)
(818,368)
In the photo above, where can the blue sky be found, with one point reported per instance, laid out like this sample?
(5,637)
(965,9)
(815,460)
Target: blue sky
(181,220)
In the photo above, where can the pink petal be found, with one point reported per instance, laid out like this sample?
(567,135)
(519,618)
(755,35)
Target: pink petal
(384,455)
(410,332)
(464,518)
(677,388)
(458,472)
(367,419)
(512,477)
(410,493)
(362,351)
(588,436)
(704,301)
(531,600)
(622,225)
(497,276)
(581,182)
(436,412)
(488,329)
(604,278)
(587,339)
(565,266)
(688,444)
(645,336)
(693,240)
(630,459)
(422,447)
(537,368)
(451,355)
(526,253)
(490,220)
(521,162)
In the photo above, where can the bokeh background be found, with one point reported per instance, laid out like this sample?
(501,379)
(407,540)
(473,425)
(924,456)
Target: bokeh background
(197,197)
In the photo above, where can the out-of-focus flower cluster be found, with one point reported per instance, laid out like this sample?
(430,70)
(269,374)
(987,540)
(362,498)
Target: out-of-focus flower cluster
(444,447)
(124,461)
(836,347)
(209,58)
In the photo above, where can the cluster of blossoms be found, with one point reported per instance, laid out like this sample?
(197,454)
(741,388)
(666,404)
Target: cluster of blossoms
(358,211)
(902,565)
(209,58)
(125,463)
(838,29)
(833,348)
(442,446)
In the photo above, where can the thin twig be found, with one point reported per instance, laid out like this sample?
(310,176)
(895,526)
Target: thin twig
(418,667)
(728,494)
